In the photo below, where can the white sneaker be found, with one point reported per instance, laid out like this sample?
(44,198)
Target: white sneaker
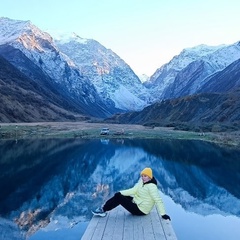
(99,212)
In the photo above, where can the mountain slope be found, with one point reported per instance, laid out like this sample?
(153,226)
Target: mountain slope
(223,81)
(186,73)
(23,100)
(114,80)
(215,108)
(23,43)
(201,111)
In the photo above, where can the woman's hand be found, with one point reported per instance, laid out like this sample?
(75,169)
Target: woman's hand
(166,217)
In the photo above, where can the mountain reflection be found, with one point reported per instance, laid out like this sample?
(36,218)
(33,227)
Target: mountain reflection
(43,179)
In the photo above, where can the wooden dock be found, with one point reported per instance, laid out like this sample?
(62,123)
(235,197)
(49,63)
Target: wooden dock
(120,224)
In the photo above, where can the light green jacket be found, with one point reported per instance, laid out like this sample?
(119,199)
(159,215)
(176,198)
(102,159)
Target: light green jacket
(145,196)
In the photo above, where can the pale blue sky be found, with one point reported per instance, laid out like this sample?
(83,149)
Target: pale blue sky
(144,33)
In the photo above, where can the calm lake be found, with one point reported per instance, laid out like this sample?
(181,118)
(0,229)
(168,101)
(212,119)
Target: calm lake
(48,187)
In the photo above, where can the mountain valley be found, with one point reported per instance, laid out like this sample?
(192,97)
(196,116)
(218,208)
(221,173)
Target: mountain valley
(45,78)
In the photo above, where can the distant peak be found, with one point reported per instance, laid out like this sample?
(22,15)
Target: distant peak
(11,29)
(75,35)
(66,37)
(6,19)
(143,77)
(204,48)
(237,43)
(12,23)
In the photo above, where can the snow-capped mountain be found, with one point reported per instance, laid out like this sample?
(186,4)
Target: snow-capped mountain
(95,81)
(23,38)
(223,81)
(114,80)
(188,71)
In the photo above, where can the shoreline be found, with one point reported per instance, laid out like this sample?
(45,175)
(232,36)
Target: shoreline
(89,130)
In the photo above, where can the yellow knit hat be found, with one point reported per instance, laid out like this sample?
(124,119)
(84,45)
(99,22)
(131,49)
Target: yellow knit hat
(148,172)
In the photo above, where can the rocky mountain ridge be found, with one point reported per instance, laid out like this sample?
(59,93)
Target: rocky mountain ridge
(187,72)
(217,110)
(114,80)
(41,50)
(25,100)
(29,49)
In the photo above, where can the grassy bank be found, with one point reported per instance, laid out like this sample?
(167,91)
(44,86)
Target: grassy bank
(92,130)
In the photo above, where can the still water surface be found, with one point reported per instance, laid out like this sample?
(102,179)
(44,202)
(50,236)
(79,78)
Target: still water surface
(48,187)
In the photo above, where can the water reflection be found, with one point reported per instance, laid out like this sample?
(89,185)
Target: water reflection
(43,181)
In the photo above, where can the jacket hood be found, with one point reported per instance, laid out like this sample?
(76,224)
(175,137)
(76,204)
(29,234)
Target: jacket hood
(153,180)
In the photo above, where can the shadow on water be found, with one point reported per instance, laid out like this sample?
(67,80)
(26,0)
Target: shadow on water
(62,179)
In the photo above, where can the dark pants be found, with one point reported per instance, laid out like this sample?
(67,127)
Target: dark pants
(125,201)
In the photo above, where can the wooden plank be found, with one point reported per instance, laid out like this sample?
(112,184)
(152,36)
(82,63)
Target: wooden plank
(90,229)
(121,225)
(95,228)
(100,228)
(137,227)
(168,229)
(114,227)
(128,231)
(156,220)
(148,230)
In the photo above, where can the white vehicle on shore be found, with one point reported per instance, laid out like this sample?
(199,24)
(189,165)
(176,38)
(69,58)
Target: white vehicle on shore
(104,131)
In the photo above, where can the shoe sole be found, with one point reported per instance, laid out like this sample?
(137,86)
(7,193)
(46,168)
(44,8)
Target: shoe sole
(99,214)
